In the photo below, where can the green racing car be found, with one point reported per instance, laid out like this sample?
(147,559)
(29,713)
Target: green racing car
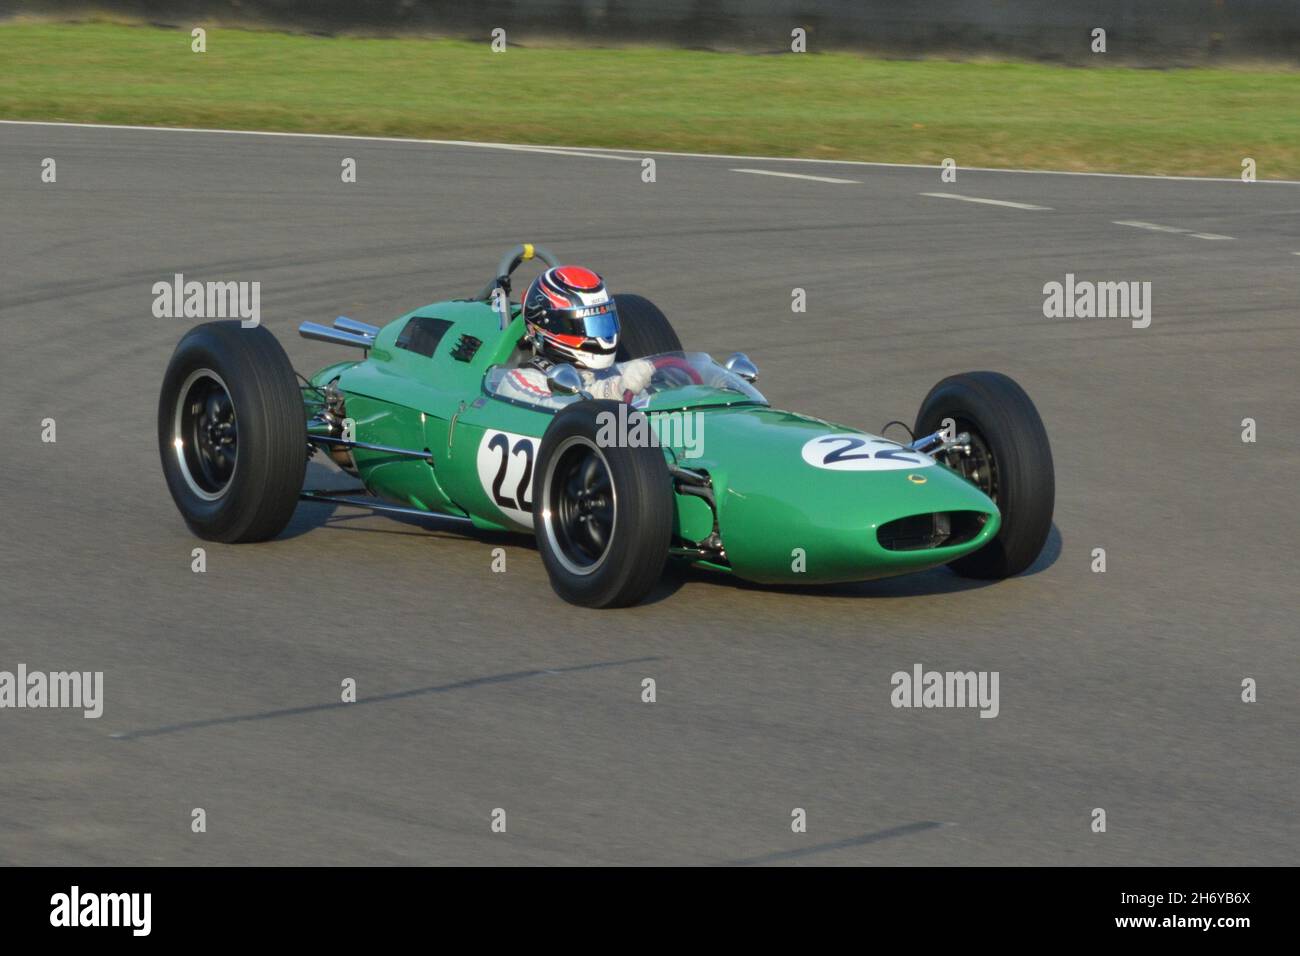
(694,467)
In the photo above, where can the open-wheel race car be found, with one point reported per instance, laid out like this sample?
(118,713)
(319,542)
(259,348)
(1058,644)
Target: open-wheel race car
(695,467)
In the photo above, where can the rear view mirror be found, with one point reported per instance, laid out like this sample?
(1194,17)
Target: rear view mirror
(739,363)
(563,380)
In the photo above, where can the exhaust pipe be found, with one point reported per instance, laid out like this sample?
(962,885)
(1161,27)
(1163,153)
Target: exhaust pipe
(323,333)
(352,325)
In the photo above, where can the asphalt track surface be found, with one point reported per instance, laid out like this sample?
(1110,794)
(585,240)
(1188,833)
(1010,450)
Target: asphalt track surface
(480,691)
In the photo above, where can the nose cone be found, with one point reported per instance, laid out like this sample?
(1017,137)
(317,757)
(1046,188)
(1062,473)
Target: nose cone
(806,501)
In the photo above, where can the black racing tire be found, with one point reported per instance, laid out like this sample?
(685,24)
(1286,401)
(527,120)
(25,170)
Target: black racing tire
(643,328)
(603,511)
(244,489)
(1012,462)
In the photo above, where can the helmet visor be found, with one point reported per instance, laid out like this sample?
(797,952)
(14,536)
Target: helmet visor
(595,322)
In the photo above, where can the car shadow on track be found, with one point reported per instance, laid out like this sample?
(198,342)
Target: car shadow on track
(314,515)
(311,516)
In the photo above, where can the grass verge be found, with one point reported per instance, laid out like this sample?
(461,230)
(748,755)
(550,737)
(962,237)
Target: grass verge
(834,106)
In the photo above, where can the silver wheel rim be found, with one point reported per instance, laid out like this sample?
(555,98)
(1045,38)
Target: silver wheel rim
(559,541)
(200,443)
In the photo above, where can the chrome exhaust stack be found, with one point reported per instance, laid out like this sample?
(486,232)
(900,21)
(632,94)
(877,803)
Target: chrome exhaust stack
(358,328)
(338,336)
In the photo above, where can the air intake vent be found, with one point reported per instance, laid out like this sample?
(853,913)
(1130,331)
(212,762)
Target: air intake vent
(421,334)
(940,529)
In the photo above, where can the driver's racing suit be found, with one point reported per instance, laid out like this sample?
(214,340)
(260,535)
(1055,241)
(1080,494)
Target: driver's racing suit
(527,383)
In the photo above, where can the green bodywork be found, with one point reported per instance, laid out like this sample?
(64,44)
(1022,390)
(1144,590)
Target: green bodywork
(780,518)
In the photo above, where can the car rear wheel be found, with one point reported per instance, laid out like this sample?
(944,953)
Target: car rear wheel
(231,433)
(1009,459)
(643,328)
(603,510)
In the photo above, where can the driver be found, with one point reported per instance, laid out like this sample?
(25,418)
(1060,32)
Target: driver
(569,316)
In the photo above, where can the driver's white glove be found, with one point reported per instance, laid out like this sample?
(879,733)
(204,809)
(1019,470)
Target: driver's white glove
(636,374)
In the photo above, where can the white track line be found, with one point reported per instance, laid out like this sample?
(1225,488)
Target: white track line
(550,150)
(987,202)
(515,147)
(605,151)
(1209,235)
(820,179)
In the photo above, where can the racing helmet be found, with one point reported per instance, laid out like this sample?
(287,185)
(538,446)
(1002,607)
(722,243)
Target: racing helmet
(570,317)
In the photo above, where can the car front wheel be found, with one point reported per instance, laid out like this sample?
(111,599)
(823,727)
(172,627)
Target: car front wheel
(232,433)
(1008,458)
(603,509)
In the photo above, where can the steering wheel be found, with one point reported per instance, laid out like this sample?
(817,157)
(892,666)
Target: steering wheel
(511,261)
(673,371)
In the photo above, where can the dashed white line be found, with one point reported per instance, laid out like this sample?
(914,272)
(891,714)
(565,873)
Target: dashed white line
(987,202)
(1153,226)
(820,179)
(1157,227)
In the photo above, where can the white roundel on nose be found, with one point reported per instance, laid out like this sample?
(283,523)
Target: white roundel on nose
(846,451)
